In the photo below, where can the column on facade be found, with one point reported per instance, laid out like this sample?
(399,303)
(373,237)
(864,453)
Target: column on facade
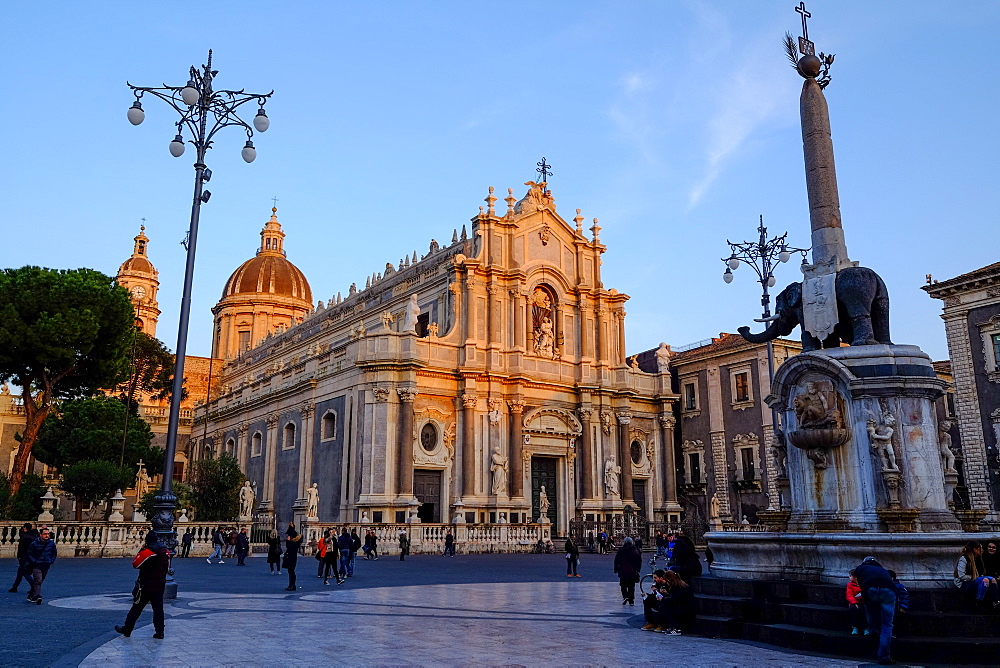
(620,320)
(272,457)
(242,444)
(625,453)
(586,451)
(516,447)
(518,300)
(493,314)
(469,402)
(585,336)
(404,436)
(667,422)
(600,326)
(306,411)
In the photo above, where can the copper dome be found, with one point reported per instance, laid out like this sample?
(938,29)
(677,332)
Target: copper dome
(136,263)
(269,273)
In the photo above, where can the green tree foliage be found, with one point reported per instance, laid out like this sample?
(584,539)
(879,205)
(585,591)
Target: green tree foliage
(94,480)
(185,499)
(215,484)
(91,429)
(150,372)
(63,333)
(27,503)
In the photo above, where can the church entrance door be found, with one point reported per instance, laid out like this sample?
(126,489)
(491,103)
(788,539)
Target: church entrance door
(543,474)
(639,496)
(427,489)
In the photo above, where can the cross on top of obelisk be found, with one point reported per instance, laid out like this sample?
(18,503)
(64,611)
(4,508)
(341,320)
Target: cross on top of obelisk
(806,47)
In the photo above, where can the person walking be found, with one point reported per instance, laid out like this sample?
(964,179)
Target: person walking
(231,542)
(628,565)
(449,544)
(242,547)
(591,544)
(274,553)
(321,547)
(186,541)
(218,544)
(374,546)
(602,542)
(404,545)
(331,555)
(153,562)
(572,558)
(293,540)
(344,544)
(355,546)
(878,593)
(40,556)
(26,535)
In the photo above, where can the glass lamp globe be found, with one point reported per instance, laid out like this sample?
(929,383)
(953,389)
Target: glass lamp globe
(784,255)
(728,276)
(734,262)
(771,281)
(249,152)
(177,146)
(135,113)
(261,122)
(190,94)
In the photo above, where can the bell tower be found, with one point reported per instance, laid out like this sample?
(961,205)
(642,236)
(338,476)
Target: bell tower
(140,278)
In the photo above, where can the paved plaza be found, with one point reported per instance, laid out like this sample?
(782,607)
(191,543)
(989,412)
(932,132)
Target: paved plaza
(428,610)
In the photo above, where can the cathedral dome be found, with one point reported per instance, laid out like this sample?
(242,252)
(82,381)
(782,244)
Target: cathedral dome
(270,272)
(136,264)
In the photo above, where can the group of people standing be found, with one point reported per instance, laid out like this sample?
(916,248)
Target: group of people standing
(669,605)
(227,543)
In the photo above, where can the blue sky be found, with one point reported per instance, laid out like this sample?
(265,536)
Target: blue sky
(674,123)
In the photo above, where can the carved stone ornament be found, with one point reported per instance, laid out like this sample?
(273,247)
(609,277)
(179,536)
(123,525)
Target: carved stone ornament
(624,417)
(242,429)
(516,406)
(668,421)
(880,435)
(406,394)
(606,419)
(272,420)
(470,401)
(545,234)
(381,394)
(585,414)
(818,416)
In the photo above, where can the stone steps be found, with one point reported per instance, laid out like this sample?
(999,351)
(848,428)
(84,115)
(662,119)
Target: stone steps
(814,617)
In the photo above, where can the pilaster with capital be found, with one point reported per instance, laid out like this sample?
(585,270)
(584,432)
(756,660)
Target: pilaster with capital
(625,453)
(469,402)
(404,480)
(586,451)
(518,299)
(242,445)
(272,456)
(516,447)
(667,423)
(306,411)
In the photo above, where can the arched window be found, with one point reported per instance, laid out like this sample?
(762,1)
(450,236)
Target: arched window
(231,446)
(288,440)
(256,445)
(329,426)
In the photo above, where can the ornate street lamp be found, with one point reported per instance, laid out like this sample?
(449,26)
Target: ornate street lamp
(203,112)
(763,256)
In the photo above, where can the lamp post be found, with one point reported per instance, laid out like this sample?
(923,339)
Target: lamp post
(763,256)
(203,112)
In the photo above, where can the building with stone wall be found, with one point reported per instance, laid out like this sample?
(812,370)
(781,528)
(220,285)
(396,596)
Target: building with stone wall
(453,386)
(972,325)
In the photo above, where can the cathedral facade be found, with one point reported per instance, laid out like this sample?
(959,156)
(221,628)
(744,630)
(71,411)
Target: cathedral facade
(485,381)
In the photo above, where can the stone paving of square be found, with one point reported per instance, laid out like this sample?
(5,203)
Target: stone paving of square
(479,609)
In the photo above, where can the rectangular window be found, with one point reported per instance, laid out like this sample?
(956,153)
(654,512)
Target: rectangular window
(742,385)
(690,399)
(996,350)
(244,341)
(423,321)
(178,471)
(747,460)
(694,467)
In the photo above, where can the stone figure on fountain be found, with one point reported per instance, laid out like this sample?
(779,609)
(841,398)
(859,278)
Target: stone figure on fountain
(881,441)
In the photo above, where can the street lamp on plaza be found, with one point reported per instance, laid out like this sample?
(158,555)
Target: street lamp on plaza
(763,256)
(203,112)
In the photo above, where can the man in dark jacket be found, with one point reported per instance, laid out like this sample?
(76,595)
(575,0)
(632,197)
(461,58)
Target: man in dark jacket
(242,547)
(26,535)
(684,558)
(355,546)
(878,592)
(218,545)
(344,545)
(628,565)
(153,562)
(40,556)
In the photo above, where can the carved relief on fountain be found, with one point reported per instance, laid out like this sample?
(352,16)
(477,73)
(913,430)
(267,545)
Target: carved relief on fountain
(819,419)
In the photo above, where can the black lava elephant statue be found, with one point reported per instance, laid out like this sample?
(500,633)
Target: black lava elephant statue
(862,308)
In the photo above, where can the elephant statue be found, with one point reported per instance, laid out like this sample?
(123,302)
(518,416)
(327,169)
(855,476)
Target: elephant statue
(862,309)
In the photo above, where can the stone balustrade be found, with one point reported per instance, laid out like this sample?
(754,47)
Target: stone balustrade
(123,539)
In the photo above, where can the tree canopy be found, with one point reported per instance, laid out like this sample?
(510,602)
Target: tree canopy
(150,370)
(215,485)
(92,429)
(91,481)
(63,333)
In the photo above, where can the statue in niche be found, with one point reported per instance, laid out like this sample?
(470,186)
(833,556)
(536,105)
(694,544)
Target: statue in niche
(611,480)
(247,497)
(412,313)
(312,501)
(541,323)
(543,503)
(944,446)
(812,410)
(881,441)
(499,469)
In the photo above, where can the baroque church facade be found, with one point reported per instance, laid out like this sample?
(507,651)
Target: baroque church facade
(486,381)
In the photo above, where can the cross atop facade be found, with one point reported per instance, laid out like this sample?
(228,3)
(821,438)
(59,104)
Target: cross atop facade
(543,169)
(806,47)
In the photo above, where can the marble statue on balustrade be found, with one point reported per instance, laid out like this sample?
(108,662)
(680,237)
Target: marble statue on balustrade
(312,501)
(412,313)
(611,479)
(247,498)
(364,517)
(499,469)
